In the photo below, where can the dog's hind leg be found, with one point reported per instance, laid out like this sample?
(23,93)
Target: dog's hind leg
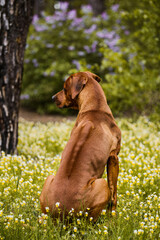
(43,196)
(99,196)
(112,175)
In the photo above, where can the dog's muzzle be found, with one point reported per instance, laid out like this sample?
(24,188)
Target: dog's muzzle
(54,98)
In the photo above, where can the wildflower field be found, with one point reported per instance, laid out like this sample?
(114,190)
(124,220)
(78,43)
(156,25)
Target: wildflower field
(40,147)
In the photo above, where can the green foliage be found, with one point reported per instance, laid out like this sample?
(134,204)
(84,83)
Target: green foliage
(121,46)
(129,87)
(58,46)
(40,146)
(134,80)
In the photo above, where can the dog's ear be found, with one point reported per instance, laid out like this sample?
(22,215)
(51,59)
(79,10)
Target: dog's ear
(97,78)
(78,83)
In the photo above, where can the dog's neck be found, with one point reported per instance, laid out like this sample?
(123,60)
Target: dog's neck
(92,98)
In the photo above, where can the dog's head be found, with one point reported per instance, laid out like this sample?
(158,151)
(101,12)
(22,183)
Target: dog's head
(72,88)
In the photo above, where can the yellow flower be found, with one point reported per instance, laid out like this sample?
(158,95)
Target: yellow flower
(64,227)
(47,209)
(1,213)
(128,193)
(22,221)
(40,220)
(57,204)
(142,224)
(86,214)
(113,213)
(103,211)
(151,230)
(80,213)
(44,223)
(78,221)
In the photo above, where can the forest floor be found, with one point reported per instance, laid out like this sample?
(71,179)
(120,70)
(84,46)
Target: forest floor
(35,117)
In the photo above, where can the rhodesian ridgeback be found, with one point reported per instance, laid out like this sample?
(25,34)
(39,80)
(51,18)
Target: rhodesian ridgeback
(94,143)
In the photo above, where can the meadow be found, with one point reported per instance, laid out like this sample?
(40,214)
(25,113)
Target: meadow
(39,152)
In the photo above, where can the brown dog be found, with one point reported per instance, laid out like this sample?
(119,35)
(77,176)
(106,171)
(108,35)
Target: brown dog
(93,144)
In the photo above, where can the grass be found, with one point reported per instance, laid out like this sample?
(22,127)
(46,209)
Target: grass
(40,147)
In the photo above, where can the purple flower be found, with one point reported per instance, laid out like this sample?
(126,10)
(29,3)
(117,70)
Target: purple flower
(71,48)
(26,60)
(24,97)
(89,66)
(115,7)
(110,35)
(59,16)
(64,6)
(35,19)
(101,34)
(104,16)
(49,19)
(81,53)
(91,29)
(40,28)
(76,22)
(32,37)
(59,45)
(87,49)
(75,62)
(94,46)
(72,14)
(60,24)
(126,32)
(118,21)
(132,55)
(52,73)
(35,62)
(105,34)
(49,45)
(86,9)
(113,43)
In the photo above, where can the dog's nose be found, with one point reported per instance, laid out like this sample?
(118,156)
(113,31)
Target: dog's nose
(53,98)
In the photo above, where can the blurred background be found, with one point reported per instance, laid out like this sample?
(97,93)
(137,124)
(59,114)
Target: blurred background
(117,40)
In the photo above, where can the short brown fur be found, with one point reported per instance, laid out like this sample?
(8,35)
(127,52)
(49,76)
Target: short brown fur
(94,143)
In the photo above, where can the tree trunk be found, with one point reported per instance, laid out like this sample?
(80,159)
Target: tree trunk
(98,6)
(15,18)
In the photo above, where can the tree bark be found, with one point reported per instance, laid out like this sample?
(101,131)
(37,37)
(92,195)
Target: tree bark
(15,18)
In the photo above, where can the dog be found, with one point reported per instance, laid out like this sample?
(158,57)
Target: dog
(94,143)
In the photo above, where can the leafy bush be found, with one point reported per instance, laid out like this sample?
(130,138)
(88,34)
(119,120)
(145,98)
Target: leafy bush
(121,46)
(134,79)
(59,45)
(22,178)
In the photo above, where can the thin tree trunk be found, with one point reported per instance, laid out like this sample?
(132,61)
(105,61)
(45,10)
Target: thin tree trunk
(15,18)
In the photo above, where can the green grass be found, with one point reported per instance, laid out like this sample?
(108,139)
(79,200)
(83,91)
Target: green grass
(40,147)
